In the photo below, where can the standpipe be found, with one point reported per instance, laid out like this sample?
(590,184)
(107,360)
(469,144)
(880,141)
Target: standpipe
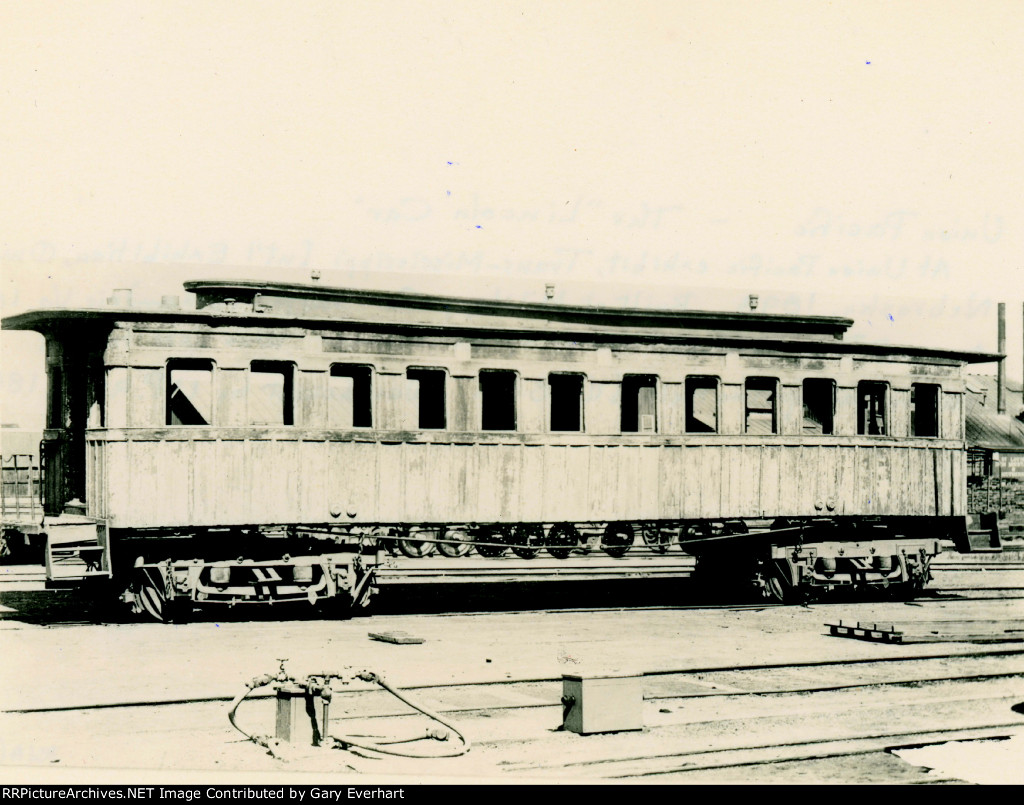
(318,686)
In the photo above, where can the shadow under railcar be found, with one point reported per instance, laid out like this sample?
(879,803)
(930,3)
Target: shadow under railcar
(74,607)
(78,606)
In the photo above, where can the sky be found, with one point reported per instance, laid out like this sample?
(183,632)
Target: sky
(856,159)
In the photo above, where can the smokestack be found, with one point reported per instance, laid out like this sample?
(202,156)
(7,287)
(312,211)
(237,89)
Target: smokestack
(1001,374)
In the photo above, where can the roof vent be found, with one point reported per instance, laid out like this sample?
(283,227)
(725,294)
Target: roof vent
(315,274)
(549,290)
(121,297)
(753,301)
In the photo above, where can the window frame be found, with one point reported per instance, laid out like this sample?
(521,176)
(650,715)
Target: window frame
(886,408)
(656,385)
(582,402)
(937,411)
(445,401)
(515,399)
(832,411)
(714,384)
(287,370)
(776,409)
(190,364)
(371,395)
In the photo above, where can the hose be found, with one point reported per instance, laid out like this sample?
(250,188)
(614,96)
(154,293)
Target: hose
(346,741)
(318,684)
(265,741)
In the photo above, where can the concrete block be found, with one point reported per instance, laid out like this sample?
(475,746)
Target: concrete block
(602,702)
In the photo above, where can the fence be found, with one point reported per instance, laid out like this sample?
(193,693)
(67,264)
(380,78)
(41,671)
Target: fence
(19,490)
(1002,495)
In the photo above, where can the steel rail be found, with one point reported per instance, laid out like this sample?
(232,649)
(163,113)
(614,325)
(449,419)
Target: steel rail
(918,737)
(505,682)
(556,703)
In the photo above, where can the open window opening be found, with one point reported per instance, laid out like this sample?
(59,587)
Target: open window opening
(924,409)
(761,415)
(96,393)
(871,408)
(497,399)
(349,396)
(566,402)
(639,412)
(430,398)
(189,392)
(702,405)
(271,400)
(55,401)
(819,397)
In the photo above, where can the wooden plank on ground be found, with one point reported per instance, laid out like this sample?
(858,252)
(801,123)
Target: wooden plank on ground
(399,638)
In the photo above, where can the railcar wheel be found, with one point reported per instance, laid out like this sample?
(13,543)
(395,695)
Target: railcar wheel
(691,534)
(416,548)
(491,541)
(655,538)
(562,538)
(387,541)
(781,584)
(617,539)
(149,594)
(776,588)
(527,540)
(151,598)
(455,542)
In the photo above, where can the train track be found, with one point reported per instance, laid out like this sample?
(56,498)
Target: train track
(973,566)
(640,562)
(741,760)
(752,680)
(693,719)
(705,724)
(491,585)
(811,720)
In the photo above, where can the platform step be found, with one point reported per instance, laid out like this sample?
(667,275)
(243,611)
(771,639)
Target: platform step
(75,550)
(984,540)
(60,533)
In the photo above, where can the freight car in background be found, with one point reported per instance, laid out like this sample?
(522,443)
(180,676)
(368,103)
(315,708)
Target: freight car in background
(267,445)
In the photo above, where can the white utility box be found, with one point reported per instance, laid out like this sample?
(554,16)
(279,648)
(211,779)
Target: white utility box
(602,702)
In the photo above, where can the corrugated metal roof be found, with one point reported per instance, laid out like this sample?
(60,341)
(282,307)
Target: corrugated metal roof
(987,384)
(992,431)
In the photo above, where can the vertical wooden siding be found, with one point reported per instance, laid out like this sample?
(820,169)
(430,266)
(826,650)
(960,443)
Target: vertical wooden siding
(239,480)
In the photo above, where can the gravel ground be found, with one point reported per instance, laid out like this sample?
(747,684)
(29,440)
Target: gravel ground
(47,665)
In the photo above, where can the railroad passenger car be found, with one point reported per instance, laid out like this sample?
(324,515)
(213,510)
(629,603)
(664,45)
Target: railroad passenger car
(266,445)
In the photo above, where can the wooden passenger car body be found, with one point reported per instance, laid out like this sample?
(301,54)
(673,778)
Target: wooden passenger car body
(280,406)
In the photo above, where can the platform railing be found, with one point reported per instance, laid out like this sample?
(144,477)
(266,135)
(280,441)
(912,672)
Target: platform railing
(20,489)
